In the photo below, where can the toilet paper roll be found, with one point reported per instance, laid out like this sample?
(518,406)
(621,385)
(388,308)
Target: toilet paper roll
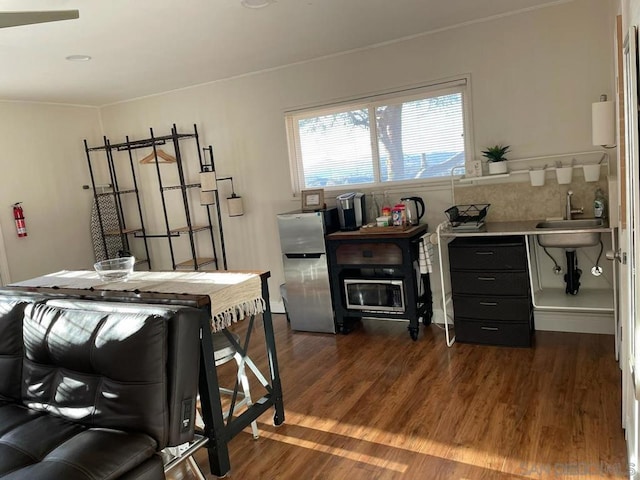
(208,181)
(207,198)
(235,206)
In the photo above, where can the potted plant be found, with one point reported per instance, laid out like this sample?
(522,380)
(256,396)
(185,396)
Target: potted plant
(496,157)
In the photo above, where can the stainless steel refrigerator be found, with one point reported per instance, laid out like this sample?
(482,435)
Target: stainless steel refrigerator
(306,270)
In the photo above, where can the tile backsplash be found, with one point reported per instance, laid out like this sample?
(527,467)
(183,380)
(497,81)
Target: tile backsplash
(521,201)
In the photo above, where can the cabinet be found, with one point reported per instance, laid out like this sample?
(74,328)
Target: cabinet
(120,217)
(490,290)
(384,269)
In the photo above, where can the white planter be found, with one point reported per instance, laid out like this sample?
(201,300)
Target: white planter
(564,175)
(537,177)
(591,172)
(496,168)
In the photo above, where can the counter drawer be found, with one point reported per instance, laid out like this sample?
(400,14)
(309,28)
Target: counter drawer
(493,333)
(489,256)
(369,254)
(505,309)
(490,283)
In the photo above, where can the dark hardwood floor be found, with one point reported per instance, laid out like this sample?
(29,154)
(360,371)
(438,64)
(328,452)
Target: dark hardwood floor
(375,405)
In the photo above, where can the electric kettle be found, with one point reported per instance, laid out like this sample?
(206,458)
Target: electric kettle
(414,208)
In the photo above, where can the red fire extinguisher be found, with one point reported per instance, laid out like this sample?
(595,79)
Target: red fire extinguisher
(18,216)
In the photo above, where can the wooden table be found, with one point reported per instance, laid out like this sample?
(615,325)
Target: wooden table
(86,285)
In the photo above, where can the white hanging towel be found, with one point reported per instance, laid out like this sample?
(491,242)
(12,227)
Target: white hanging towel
(425,249)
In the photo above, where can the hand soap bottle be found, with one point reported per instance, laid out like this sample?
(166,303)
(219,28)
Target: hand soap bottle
(600,205)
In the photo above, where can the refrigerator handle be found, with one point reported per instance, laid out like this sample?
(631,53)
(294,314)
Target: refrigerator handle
(303,255)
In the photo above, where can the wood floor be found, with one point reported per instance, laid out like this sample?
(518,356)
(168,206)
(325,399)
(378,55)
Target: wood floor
(375,405)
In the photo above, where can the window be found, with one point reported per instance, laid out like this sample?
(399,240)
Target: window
(413,135)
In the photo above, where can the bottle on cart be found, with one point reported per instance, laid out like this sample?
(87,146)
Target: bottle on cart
(600,205)
(399,215)
(386,206)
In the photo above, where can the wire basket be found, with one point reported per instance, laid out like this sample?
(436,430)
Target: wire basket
(467,216)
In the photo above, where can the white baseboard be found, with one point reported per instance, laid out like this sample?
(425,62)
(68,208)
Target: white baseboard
(276,306)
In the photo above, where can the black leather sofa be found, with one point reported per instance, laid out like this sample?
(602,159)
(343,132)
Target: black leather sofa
(94,390)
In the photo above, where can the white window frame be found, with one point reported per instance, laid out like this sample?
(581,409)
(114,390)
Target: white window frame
(460,84)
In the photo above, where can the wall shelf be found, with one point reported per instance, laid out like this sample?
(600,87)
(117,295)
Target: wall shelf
(484,178)
(579,159)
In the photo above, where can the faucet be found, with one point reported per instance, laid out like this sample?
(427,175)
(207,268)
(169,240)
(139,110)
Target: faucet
(569,210)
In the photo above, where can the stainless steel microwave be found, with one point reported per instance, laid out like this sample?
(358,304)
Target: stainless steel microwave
(375,295)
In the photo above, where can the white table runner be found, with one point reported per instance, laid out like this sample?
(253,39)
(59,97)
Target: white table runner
(233,295)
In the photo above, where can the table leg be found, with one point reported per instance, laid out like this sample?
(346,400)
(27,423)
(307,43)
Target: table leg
(211,406)
(274,371)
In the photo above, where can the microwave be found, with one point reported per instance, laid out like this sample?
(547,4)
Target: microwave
(374,295)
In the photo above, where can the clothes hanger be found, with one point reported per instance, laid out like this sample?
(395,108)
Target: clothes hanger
(166,158)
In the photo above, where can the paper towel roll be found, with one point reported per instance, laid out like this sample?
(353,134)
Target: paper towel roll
(207,198)
(208,181)
(603,123)
(235,206)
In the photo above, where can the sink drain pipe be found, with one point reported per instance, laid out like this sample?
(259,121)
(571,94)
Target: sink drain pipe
(556,268)
(572,277)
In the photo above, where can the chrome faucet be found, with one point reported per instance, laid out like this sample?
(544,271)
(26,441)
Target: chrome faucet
(569,210)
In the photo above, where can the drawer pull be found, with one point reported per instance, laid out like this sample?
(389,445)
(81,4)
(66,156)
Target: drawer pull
(489,328)
(489,304)
(487,279)
(485,253)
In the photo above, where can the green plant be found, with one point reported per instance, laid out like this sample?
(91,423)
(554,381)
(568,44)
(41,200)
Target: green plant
(496,153)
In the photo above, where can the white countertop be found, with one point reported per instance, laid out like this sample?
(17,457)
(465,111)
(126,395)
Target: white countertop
(527,227)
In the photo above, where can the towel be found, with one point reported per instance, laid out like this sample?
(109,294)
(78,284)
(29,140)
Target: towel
(425,249)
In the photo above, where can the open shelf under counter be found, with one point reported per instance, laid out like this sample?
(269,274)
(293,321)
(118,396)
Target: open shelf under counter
(587,299)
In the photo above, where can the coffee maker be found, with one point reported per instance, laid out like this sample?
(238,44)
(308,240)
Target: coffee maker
(351,210)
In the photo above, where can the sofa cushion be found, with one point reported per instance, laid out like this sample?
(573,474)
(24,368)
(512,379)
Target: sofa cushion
(37,446)
(183,356)
(97,369)
(11,351)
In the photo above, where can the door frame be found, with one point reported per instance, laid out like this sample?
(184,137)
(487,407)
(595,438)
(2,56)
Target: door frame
(628,242)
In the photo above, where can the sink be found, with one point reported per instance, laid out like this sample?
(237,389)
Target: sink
(571,224)
(567,239)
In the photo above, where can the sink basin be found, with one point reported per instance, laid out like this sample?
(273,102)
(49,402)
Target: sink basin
(571,224)
(583,237)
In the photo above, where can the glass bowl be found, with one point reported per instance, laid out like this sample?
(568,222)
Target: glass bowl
(115,268)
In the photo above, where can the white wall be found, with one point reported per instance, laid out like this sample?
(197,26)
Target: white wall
(533,76)
(43,165)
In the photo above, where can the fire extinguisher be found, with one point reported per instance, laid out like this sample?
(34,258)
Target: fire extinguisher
(18,216)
